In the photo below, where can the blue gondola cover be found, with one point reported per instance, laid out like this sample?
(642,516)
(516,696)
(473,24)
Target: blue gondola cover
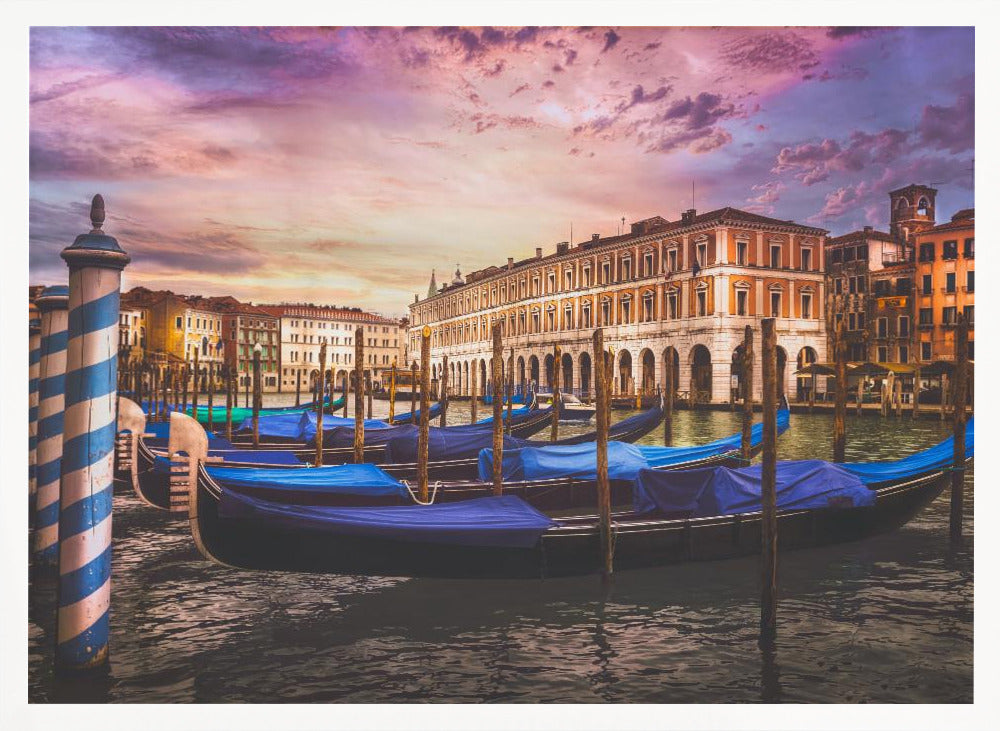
(446,443)
(250,456)
(938,457)
(348,479)
(724,491)
(502,521)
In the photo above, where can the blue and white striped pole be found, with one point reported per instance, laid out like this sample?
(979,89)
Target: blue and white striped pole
(34,365)
(51,388)
(95,264)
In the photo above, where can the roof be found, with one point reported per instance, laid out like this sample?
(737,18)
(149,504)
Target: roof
(860,234)
(956,224)
(328,312)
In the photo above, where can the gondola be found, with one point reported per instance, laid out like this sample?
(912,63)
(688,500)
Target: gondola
(819,504)
(408,417)
(150,477)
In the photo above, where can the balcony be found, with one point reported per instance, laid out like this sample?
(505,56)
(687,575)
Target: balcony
(925,325)
(969,290)
(925,258)
(946,290)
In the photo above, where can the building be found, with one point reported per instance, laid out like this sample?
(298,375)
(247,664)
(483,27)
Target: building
(683,289)
(131,331)
(305,327)
(946,285)
(176,326)
(243,327)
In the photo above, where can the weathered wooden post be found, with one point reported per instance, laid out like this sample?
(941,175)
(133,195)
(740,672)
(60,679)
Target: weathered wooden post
(556,369)
(53,342)
(510,389)
(359,400)
(897,396)
(319,405)
(603,485)
(368,392)
(861,394)
(916,393)
(256,394)
(945,387)
(958,405)
(164,393)
(95,264)
(768,497)
(154,392)
(497,410)
(392,392)
(246,391)
(230,377)
(444,391)
(211,397)
(423,437)
(195,387)
(34,368)
(298,387)
(668,402)
(185,376)
(175,385)
(413,391)
(347,391)
(746,380)
(840,395)
(474,401)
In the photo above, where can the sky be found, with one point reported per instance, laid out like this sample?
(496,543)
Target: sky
(341,165)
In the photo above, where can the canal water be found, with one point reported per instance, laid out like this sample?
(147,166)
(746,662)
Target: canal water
(889,619)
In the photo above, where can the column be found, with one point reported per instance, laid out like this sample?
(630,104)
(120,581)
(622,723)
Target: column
(34,366)
(95,264)
(51,386)
(722,246)
(722,295)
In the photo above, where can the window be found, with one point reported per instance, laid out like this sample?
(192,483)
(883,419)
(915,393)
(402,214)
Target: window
(672,305)
(605,272)
(647,307)
(861,321)
(861,284)
(647,264)
(849,254)
(904,354)
(836,256)
(863,252)
(189,322)
(551,319)
(969,249)
(775,304)
(949,282)
(948,315)
(568,317)
(626,310)
(568,279)
(881,287)
(775,256)
(806,305)
(741,302)
(970,313)
(852,321)
(883,354)
(925,351)
(701,252)
(585,316)
(626,269)
(852,285)
(970,281)
(838,286)
(949,250)
(606,312)
(904,326)
(586,275)
(702,300)
(927,284)
(178,322)
(882,327)
(837,319)
(741,252)
(926,252)
(807,260)
(552,282)
(903,286)
(536,320)
(672,260)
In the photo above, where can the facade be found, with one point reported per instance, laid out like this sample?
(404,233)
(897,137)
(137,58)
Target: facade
(131,332)
(683,289)
(305,327)
(176,326)
(946,285)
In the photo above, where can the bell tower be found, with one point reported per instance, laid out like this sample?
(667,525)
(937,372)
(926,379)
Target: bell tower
(911,210)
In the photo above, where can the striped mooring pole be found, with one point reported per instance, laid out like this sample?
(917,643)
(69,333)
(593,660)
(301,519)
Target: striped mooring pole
(51,388)
(95,264)
(34,366)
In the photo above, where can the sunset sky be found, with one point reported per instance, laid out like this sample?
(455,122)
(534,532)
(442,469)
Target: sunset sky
(341,165)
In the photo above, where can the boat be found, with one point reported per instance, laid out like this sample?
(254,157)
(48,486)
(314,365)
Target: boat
(677,517)
(408,417)
(572,409)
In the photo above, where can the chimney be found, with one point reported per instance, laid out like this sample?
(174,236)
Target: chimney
(868,229)
(510,262)
(416,298)
(688,215)
(562,247)
(538,252)
(594,237)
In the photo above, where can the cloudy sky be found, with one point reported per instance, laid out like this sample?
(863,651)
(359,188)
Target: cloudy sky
(341,165)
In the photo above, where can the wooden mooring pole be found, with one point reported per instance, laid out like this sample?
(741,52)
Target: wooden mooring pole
(958,405)
(359,393)
(230,378)
(840,395)
(603,485)
(915,406)
(347,391)
(474,399)
(769,517)
(211,396)
(196,387)
(444,392)
(423,438)
(746,382)
(497,410)
(556,372)
(321,387)
(413,392)
(368,392)
(246,392)
(165,392)
(256,395)
(668,401)
(298,386)
(392,392)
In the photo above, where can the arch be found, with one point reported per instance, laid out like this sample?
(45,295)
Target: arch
(625,380)
(482,376)
(736,373)
(533,369)
(671,352)
(585,371)
(701,374)
(647,370)
(923,206)
(548,370)
(804,383)
(520,373)
(566,377)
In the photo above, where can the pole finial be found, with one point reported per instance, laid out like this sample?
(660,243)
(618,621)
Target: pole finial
(97,212)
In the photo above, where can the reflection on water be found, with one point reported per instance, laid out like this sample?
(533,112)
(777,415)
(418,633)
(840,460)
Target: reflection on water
(883,620)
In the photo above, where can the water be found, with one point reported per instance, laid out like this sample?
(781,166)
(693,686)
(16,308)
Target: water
(888,619)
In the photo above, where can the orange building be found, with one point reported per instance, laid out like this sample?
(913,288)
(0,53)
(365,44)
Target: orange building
(945,285)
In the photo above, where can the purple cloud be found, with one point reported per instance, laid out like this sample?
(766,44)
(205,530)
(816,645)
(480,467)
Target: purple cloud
(950,128)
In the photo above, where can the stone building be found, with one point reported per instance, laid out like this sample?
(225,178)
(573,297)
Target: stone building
(683,289)
(305,327)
